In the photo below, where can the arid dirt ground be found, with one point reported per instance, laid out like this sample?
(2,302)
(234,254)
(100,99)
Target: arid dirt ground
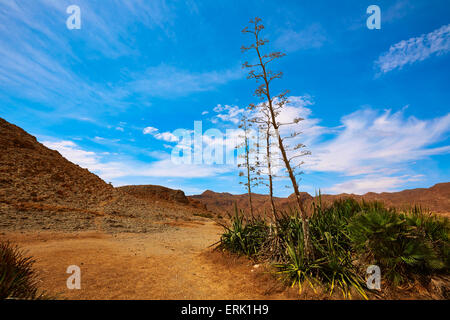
(174,261)
(173,264)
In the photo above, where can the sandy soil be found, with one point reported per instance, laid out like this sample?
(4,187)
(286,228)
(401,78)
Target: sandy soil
(174,264)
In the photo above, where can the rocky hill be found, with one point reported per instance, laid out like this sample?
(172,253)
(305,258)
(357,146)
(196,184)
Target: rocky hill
(32,173)
(152,193)
(40,188)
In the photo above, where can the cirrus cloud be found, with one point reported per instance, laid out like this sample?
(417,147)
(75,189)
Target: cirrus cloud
(416,49)
(368,142)
(116,167)
(165,136)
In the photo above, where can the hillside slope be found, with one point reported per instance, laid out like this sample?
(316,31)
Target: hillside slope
(152,194)
(39,188)
(32,173)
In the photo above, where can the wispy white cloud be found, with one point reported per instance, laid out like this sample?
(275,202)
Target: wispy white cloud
(167,81)
(165,136)
(397,10)
(416,49)
(297,107)
(69,149)
(36,54)
(120,168)
(372,184)
(40,57)
(149,130)
(300,107)
(368,142)
(311,37)
(166,168)
(227,113)
(104,27)
(368,145)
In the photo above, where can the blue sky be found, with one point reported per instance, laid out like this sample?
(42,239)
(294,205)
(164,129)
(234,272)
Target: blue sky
(110,95)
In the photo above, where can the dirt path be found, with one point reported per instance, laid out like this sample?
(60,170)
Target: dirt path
(175,264)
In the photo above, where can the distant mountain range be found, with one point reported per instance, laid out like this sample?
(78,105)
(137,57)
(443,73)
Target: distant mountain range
(435,199)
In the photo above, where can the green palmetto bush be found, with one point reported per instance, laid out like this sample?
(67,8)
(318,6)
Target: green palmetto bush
(346,237)
(18,280)
(436,231)
(401,244)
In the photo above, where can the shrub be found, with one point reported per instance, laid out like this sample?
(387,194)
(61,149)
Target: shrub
(436,230)
(17,277)
(244,236)
(400,244)
(332,263)
(346,237)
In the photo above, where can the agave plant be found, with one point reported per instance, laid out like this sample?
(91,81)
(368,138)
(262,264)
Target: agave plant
(332,265)
(243,235)
(299,269)
(18,280)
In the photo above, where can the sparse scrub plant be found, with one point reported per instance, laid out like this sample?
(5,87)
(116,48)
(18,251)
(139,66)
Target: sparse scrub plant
(18,280)
(401,244)
(436,230)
